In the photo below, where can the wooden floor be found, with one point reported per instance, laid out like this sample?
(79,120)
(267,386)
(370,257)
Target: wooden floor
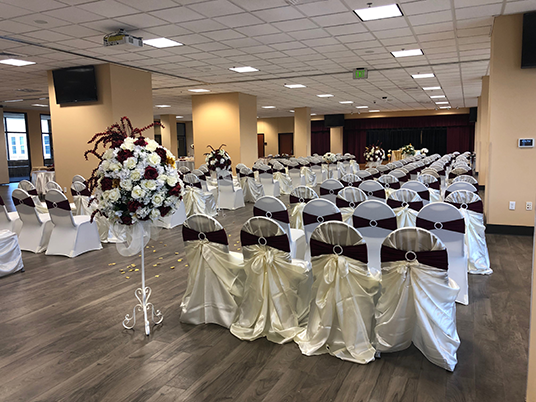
(62,338)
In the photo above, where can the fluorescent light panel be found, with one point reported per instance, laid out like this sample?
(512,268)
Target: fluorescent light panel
(39,105)
(361,107)
(325,95)
(441,103)
(437,96)
(179,117)
(291,111)
(406,53)
(372,111)
(313,114)
(17,62)
(294,86)
(431,88)
(445,107)
(162,105)
(199,90)
(378,13)
(14,100)
(161,42)
(346,102)
(246,69)
(268,107)
(427,75)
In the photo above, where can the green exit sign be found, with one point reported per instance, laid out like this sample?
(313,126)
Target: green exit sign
(360,74)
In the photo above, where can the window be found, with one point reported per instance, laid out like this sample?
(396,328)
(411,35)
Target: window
(15,128)
(46,136)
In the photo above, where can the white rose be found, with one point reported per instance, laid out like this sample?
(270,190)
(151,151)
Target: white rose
(135,175)
(222,161)
(212,162)
(114,195)
(128,144)
(130,163)
(109,154)
(171,181)
(148,184)
(158,199)
(155,214)
(151,145)
(137,192)
(114,167)
(154,159)
(126,184)
(105,165)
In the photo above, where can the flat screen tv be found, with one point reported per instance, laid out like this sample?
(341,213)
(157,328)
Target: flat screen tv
(528,47)
(75,84)
(333,120)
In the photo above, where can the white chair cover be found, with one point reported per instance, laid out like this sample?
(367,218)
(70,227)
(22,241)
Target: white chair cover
(316,167)
(406,204)
(433,183)
(447,223)
(215,275)
(197,201)
(330,188)
(350,180)
(78,177)
(299,197)
(347,200)
(374,220)
(9,220)
(417,302)
(285,182)
(71,235)
(354,166)
(309,177)
(470,206)
(341,315)
(318,211)
(266,178)
(373,190)
(171,221)
(331,170)
(252,189)
(32,191)
(390,183)
(364,175)
(277,291)
(294,172)
(36,227)
(467,178)
(460,185)
(10,255)
(229,197)
(341,169)
(52,185)
(419,188)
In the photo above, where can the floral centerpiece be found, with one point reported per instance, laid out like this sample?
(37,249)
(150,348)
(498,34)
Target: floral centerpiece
(424,151)
(374,153)
(407,150)
(218,159)
(329,157)
(136,179)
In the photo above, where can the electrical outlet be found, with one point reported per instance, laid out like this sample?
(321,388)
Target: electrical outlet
(512,205)
(64,189)
(529,206)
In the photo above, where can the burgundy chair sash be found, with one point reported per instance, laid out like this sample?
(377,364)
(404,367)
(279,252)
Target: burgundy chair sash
(282,170)
(1,202)
(447,192)
(26,201)
(376,175)
(308,218)
(295,200)
(198,185)
(332,191)
(395,185)
(425,195)
(342,203)
(218,236)
(435,185)
(315,164)
(85,192)
(237,171)
(457,225)
(59,204)
(437,259)
(294,168)
(387,223)
(349,183)
(416,205)
(477,206)
(358,252)
(33,191)
(281,216)
(378,193)
(279,242)
(403,178)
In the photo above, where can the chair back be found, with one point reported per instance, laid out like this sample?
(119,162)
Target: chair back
(273,208)
(389,181)
(466,178)
(183,170)
(79,189)
(52,185)
(5,220)
(318,211)
(373,190)
(430,172)
(225,182)
(457,171)
(200,227)
(420,189)
(364,175)
(59,209)
(429,180)
(460,185)
(329,189)
(350,197)
(302,194)
(78,177)
(400,174)
(28,187)
(383,169)
(350,180)
(338,238)
(238,168)
(403,197)
(192,180)
(25,206)
(467,200)
(261,232)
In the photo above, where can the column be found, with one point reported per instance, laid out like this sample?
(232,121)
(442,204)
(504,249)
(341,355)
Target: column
(483,158)
(121,92)
(477,134)
(169,133)
(302,131)
(335,137)
(229,119)
(4,170)
(35,138)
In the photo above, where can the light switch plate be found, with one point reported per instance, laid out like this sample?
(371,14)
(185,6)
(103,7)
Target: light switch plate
(512,206)
(529,206)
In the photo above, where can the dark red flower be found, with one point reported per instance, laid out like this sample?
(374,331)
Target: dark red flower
(126,219)
(164,210)
(176,191)
(150,173)
(161,152)
(106,183)
(123,155)
(133,206)
(117,143)
(141,142)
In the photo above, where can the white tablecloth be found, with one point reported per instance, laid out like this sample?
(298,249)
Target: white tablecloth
(42,177)
(10,255)
(189,163)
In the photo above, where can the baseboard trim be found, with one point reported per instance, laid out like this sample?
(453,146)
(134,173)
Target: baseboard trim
(481,187)
(510,230)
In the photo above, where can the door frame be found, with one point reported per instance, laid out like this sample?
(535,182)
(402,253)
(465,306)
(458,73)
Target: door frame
(279,142)
(263,146)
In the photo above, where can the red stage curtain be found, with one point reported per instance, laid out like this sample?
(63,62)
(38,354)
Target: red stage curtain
(320,138)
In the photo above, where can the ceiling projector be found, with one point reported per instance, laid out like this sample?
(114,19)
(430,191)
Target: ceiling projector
(120,38)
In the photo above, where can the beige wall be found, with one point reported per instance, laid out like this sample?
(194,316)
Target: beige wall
(302,131)
(169,132)
(531,383)
(189,138)
(477,134)
(512,101)
(271,127)
(483,156)
(335,137)
(34,136)
(248,129)
(4,171)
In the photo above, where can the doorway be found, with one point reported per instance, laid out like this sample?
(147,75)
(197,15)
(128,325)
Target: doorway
(286,143)
(260,145)
(18,155)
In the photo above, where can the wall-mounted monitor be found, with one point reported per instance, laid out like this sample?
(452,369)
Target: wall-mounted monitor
(528,47)
(333,120)
(525,142)
(75,84)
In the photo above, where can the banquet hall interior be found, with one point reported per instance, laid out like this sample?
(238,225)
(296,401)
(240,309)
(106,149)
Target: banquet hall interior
(298,95)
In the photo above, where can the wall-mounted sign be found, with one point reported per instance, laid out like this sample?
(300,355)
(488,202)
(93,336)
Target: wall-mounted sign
(360,74)
(525,142)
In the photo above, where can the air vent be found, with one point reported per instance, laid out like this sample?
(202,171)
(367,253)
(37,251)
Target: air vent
(411,89)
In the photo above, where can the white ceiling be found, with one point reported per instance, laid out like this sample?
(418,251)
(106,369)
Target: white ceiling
(315,43)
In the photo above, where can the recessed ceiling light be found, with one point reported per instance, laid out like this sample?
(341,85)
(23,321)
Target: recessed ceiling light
(346,102)
(199,90)
(17,62)
(441,103)
(39,105)
(361,107)
(161,42)
(431,88)
(268,107)
(406,53)
(291,111)
(293,86)
(372,111)
(313,114)
(427,75)
(445,107)
(179,117)
(14,100)
(377,13)
(437,96)
(246,69)
(162,106)
(325,95)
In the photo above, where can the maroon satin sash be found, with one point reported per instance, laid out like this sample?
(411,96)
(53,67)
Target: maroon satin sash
(278,242)
(59,204)
(358,252)
(435,185)
(26,201)
(85,192)
(342,203)
(386,223)
(1,202)
(416,205)
(295,200)
(377,193)
(282,170)
(281,216)
(294,168)
(477,206)
(437,259)
(350,183)
(425,195)
(308,218)
(198,185)
(250,175)
(218,236)
(395,185)
(457,225)
(447,192)
(33,191)
(325,191)
(403,178)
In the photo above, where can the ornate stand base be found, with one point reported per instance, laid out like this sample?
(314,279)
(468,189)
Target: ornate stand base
(143,298)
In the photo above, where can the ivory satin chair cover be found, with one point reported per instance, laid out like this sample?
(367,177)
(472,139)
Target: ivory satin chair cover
(364,175)
(316,167)
(9,220)
(354,166)
(78,177)
(197,201)
(373,190)
(390,183)
(36,227)
(341,169)
(71,235)
(447,223)
(417,301)
(466,178)
(341,316)
(10,255)
(266,178)
(251,188)
(460,185)
(406,204)
(229,197)
(273,208)
(171,221)
(284,180)
(433,184)
(347,200)
(330,188)
(277,291)
(309,177)
(471,207)
(299,197)
(374,220)
(215,275)
(32,191)
(319,211)
(294,172)
(52,185)
(419,188)
(350,180)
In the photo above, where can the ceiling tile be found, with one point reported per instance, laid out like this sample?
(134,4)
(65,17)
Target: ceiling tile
(216,8)
(109,8)
(279,14)
(239,20)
